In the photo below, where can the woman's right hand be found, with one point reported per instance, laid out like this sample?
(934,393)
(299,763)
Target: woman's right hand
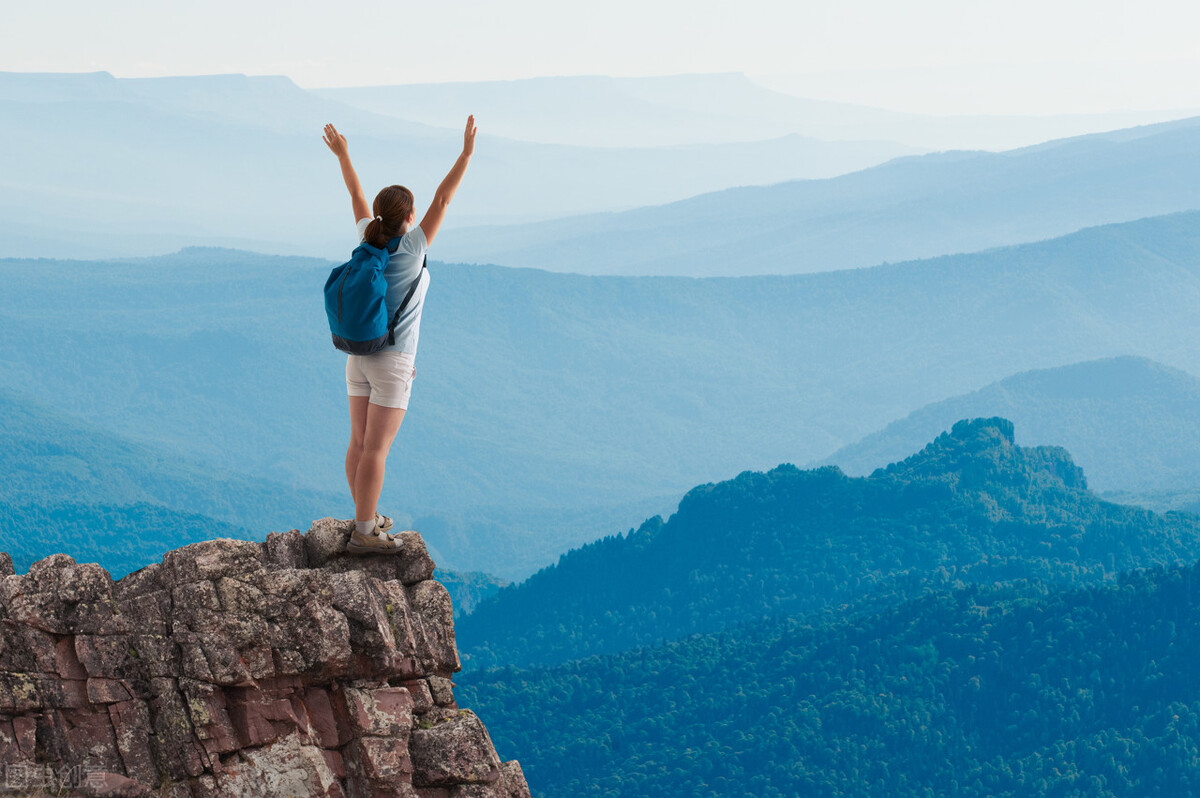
(336,142)
(469,136)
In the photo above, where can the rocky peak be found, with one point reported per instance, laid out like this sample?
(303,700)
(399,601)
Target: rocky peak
(982,453)
(235,668)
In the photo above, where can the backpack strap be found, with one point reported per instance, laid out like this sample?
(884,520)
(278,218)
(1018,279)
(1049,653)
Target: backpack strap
(412,289)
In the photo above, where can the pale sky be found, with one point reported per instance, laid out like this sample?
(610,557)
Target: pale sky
(942,56)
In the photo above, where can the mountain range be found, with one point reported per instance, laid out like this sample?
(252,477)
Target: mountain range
(145,166)
(554,409)
(914,207)
(100,166)
(602,111)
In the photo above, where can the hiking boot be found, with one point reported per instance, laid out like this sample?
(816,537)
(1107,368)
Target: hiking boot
(375,542)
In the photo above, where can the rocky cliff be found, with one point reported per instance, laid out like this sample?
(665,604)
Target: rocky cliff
(234,668)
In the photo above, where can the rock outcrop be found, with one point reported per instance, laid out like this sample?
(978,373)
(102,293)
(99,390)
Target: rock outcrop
(235,668)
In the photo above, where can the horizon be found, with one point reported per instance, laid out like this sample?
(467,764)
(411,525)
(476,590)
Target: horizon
(831,87)
(935,56)
(864,88)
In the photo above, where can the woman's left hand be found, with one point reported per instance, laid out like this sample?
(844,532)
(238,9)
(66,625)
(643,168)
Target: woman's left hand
(336,142)
(469,136)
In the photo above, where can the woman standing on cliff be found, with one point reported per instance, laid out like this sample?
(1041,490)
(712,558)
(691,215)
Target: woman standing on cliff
(379,384)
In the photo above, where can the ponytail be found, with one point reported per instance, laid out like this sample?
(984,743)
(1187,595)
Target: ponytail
(392,206)
(374,232)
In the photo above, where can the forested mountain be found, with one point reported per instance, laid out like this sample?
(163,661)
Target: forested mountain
(977,691)
(971,507)
(914,207)
(1129,422)
(553,409)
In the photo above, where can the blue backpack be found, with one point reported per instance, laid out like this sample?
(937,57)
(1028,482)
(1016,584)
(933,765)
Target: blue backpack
(355,301)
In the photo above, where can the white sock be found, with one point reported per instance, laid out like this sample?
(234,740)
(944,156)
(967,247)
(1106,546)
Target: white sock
(364,527)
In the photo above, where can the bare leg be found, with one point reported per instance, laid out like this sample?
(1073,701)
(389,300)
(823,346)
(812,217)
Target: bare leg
(358,428)
(381,427)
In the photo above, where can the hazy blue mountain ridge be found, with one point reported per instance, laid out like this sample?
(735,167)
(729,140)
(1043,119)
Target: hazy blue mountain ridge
(70,487)
(143,166)
(1127,421)
(224,357)
(539,394)
(914,207)
(678,109)
(47,456)
(268,102)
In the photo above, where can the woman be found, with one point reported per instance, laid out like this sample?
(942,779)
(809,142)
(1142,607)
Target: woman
(379,384)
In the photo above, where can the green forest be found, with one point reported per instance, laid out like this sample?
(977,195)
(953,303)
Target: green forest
(979,691)
(971,620)
(970,508)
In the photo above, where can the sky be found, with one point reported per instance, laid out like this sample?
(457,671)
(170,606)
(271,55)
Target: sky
(937,56)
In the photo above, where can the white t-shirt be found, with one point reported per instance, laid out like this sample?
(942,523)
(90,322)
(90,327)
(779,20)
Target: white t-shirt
(403,267)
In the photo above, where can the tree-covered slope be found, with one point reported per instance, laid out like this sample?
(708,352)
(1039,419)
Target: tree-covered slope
(1129,422)
(977,691)
(971,506)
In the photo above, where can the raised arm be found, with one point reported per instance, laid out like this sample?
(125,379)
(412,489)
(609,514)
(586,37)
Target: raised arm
(336,142)
(445,192)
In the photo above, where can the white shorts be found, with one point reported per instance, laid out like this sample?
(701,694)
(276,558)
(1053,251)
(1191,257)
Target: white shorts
(385,376)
